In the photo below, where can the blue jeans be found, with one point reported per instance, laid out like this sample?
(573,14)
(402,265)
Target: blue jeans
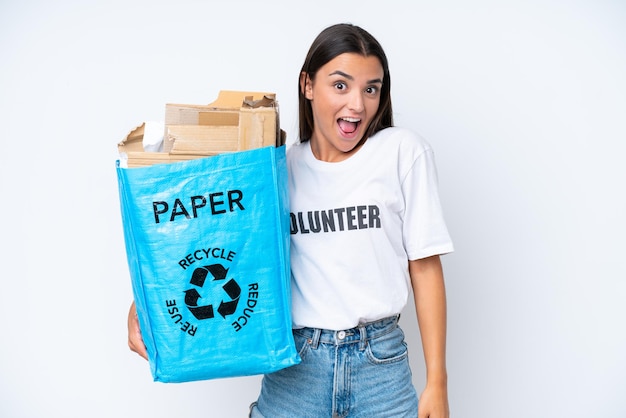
(356,373)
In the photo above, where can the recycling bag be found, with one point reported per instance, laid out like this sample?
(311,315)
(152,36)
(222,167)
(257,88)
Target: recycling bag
(207,242)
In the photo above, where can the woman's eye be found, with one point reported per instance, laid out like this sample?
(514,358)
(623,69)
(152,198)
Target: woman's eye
(340,85)
(371,90)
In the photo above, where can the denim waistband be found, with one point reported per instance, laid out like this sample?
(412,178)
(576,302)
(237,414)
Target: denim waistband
(360,334)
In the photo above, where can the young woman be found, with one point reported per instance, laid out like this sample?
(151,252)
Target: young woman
(366,226)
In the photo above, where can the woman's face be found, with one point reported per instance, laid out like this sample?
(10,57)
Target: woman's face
(344,98)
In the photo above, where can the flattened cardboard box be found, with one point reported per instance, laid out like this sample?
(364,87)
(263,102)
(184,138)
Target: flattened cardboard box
(236,121)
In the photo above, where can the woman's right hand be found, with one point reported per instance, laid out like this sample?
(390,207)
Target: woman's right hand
(135,342)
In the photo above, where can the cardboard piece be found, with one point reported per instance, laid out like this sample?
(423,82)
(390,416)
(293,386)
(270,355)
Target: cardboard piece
(235,121)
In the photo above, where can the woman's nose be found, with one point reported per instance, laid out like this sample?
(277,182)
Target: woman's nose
(356,101)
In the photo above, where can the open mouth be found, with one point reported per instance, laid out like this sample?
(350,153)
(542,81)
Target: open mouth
(348,125)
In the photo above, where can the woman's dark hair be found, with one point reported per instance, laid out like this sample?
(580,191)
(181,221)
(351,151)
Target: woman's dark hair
(330,43)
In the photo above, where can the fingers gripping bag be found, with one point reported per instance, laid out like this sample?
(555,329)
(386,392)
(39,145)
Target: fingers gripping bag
(207,243)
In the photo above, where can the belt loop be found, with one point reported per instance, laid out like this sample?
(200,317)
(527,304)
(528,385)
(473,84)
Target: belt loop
(315,338)
(363,339)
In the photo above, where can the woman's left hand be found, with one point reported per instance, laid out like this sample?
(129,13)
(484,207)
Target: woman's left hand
(434,402)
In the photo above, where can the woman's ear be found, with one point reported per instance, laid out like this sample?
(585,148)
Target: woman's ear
(305,85)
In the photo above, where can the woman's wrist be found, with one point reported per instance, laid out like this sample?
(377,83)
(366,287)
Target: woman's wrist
(439,378)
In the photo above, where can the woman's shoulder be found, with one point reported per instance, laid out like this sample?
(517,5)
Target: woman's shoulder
(404,139)
(296,149)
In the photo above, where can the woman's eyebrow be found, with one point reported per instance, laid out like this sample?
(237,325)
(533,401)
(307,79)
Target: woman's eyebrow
(341,73)
(349,77)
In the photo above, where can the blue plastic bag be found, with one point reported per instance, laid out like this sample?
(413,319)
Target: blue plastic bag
(207,242)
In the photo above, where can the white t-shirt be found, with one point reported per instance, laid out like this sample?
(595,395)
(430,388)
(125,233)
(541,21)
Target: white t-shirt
(356,223)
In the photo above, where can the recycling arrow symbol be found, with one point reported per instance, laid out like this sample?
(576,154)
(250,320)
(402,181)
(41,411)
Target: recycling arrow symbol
(198,279)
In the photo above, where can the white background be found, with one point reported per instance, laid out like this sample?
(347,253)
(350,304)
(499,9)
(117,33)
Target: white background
(523,101)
